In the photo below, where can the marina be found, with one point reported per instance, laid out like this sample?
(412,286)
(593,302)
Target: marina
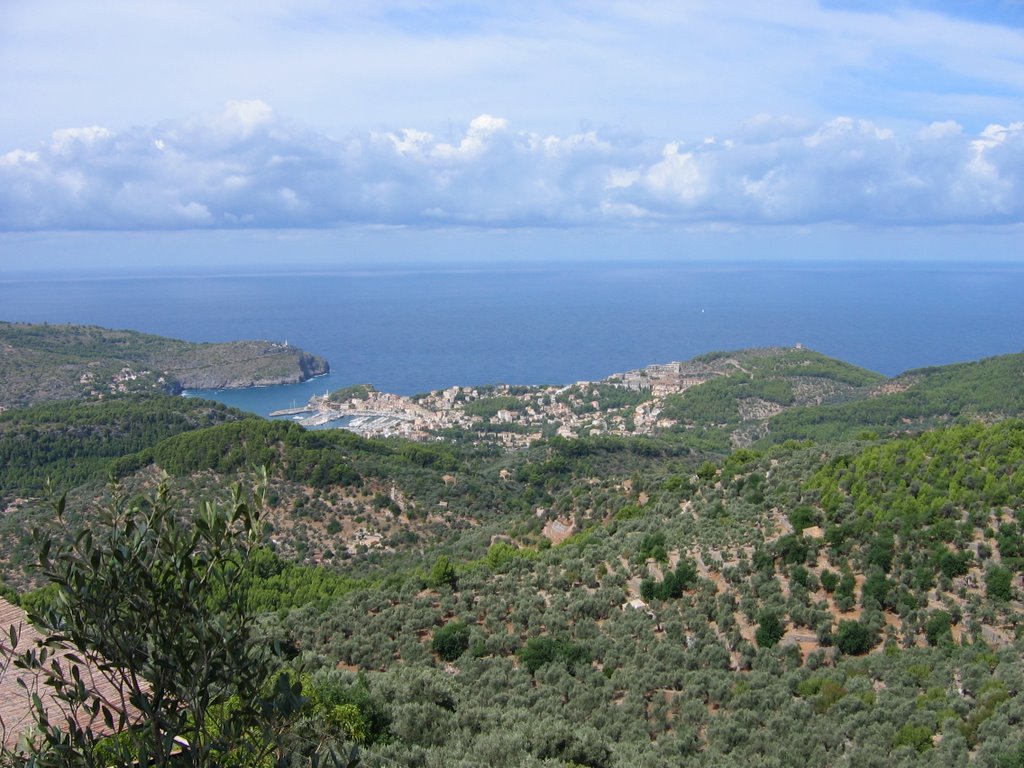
(363,422)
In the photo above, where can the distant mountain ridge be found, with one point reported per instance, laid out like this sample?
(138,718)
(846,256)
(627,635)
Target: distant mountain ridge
(42,363)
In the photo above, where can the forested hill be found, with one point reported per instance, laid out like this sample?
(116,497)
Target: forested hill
(74,442)
(988,389)
(42,363)
(851,597)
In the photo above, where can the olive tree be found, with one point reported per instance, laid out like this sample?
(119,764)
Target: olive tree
(153,598)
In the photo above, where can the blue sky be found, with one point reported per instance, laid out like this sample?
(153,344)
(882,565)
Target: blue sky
(680,119)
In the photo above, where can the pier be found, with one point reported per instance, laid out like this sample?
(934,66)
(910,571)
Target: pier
(293,411)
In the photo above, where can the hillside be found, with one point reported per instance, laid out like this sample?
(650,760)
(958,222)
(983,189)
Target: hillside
(989,389)
(852,596)
(72,442)
(43,363)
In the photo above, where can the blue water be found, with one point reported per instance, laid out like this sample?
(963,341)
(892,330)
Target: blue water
(415,330)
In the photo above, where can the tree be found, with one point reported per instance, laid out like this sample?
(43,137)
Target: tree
(443,572)
(937,627)
(542,650)
(999,583)
(770,630)
(451,640)
(156,602)
(853,638)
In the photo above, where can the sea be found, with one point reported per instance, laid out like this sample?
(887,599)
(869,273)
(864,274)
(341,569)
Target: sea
(425,327)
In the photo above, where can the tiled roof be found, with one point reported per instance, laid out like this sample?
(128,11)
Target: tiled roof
(16,697)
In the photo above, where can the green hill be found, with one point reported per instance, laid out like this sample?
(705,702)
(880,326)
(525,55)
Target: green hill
(70,443)
(42,363)
(732,408)
(988,389)
(847,591)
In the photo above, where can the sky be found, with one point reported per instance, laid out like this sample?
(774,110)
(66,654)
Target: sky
(322,127)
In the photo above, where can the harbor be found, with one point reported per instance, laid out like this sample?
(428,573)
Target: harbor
(362,422)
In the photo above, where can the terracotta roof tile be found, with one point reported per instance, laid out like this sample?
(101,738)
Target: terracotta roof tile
(17,685)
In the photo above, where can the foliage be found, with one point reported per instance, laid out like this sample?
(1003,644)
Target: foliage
(770,376)
(673,584)
(451,640)
(930,396)
(347,708)
(487,407)
(62,362)
(854,638)
(159,606)
(442,573)
(999,583)
(713,402)
(271,583)
(71,443)
(919,737)
(545,649)
(354,392)
(937,627)
(609,397)
(554,664)
(652,547)
(500,554)
(769,630)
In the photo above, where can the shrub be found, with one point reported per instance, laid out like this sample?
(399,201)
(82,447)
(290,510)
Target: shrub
(937,627)
(853,638)
(998,583)
(539,651)
(917,736)
(451,640)
(769,630)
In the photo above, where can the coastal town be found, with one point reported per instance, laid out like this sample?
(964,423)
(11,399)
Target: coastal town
(514,416)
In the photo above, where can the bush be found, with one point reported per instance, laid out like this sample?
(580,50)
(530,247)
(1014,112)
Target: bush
(998,583)
(653,546)
(803,517)
(917,736)
(451,640)
(672,586)
(442,573)
(937,628)
(853,638)
(876,590)
(145,596)
(952,565)
(769,630)
(539,651)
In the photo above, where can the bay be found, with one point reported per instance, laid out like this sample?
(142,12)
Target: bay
(415,329)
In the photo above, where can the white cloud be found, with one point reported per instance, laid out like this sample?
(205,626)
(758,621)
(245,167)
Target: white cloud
(698,67)
(69,140)
(19,156)
(941,130)
(194,213)
(244,167)
(677,175)
(243,117)
(477,139)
